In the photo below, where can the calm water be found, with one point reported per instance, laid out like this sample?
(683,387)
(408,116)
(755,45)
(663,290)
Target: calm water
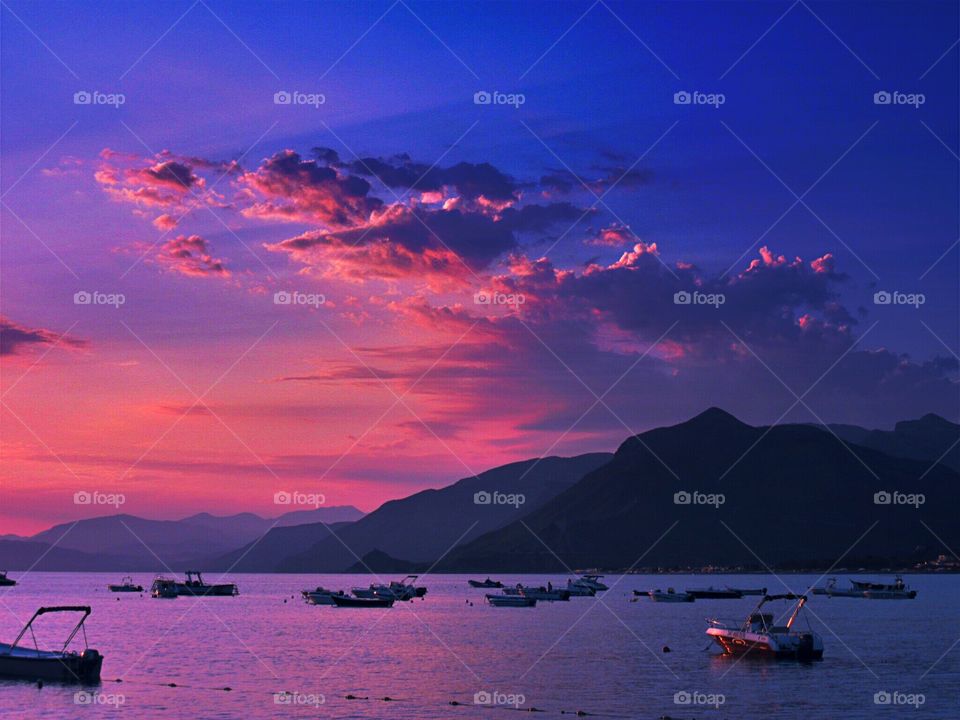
(560,657)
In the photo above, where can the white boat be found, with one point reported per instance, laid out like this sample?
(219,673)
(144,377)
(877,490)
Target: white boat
(511,601)
(321,596)
(670,595)
(396,590)
(125,585)
(164,588)
(897,590)
(759,635)
(592,582)
(577,590)
(61,665)
(547,594)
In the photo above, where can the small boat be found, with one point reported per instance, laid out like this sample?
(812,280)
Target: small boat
(712,593)
(321,596)
(592,582)
(511,601)
(488,583)
(759,635)
(749,591)
(62,665)
(670,595)
(5,581)
(356,602)
(577,590)
(406,589)
(890,594)
(164,588)
(193,585)
(897,587)
(126,585)
(831,583)
(547,594)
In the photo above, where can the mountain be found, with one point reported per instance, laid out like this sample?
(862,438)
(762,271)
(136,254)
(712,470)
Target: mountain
(931,438)
(142,544)
(791,494)
(26,555)
(263,554)
(424,526)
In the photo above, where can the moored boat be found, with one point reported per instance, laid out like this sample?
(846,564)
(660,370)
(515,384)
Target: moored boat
(670,595)
(194,585)
(61,665)
(321,596)
(164,588)
(125,585)
(547,594)
(358,602)
(488,583)
(759,634)
(577,590)
(592,582)
(712,593)
(511,601)
(5,581)
(749,591)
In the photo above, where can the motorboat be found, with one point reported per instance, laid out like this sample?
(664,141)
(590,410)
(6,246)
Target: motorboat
(5,581)
(320,596)
(164,588)
(406,589)
(511,601)
(759,634)
(125,585)
(749,591)
(897,586)
(712,593)
(824,590)
(515,590)
(592,582)
(890,594)
(547,594)
(193,585)
(577,590)
(670,595)
(62,665)
(358,602)
(831,590)
(488,583)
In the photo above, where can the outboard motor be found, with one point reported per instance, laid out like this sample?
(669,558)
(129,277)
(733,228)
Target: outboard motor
(90,662)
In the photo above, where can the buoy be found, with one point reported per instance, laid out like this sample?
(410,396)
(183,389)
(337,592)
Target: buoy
(228,689)
(387,698)
(171,684)
(39,684)
(453,702)
(666,649)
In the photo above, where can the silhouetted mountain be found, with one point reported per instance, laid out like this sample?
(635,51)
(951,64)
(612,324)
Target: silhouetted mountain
(380,563)
(931,438)
(793,493)
(426,525)
(263,554)
(36,556)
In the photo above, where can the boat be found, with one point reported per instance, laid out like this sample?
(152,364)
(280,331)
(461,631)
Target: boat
(320,596)
(831,583)
(193,585)
(511,601)
(670,595)
(592,582)
(831,590)
(749,591)
(62,665)
(577,590)
(355,602)
(488,583)
(5,581)
(547,594)
(164,588)
(759,635)
(897,587)
(406,589)
(890,594)
(125,585)
(712,593)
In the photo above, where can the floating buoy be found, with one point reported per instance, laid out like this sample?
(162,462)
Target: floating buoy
(666,649)
(228,689)
(454,703)
(387,698)
(39,684)
(171,684)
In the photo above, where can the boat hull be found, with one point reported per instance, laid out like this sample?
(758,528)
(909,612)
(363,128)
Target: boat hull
(227,590)
(125,588)
(483,584)
(890,594)
(671,597)
(511,601)
(804,647)
(60,667)
(715,594)
(356,602)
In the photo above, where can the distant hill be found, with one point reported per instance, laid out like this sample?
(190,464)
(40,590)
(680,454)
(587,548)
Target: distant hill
(931,438)
(424,526)
(793,493)
(27,555)
(264,553)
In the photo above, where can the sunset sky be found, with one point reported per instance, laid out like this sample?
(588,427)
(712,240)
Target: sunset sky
(395,203)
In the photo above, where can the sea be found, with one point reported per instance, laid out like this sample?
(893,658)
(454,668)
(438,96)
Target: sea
(266,653)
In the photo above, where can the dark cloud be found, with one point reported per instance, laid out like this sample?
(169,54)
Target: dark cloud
(15,338)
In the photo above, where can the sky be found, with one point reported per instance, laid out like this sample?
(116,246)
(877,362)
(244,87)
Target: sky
(364,249)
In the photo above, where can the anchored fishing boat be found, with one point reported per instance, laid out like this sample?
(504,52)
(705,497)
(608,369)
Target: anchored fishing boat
(511,601)
(358,602)
(670,595)
(5,581)
(402,590)
(760,635)
(321,596)
(592,582)
(164,588)
(547,594)
(125,585)
(62,665)
(712,593)
(488,583)
(577,590)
